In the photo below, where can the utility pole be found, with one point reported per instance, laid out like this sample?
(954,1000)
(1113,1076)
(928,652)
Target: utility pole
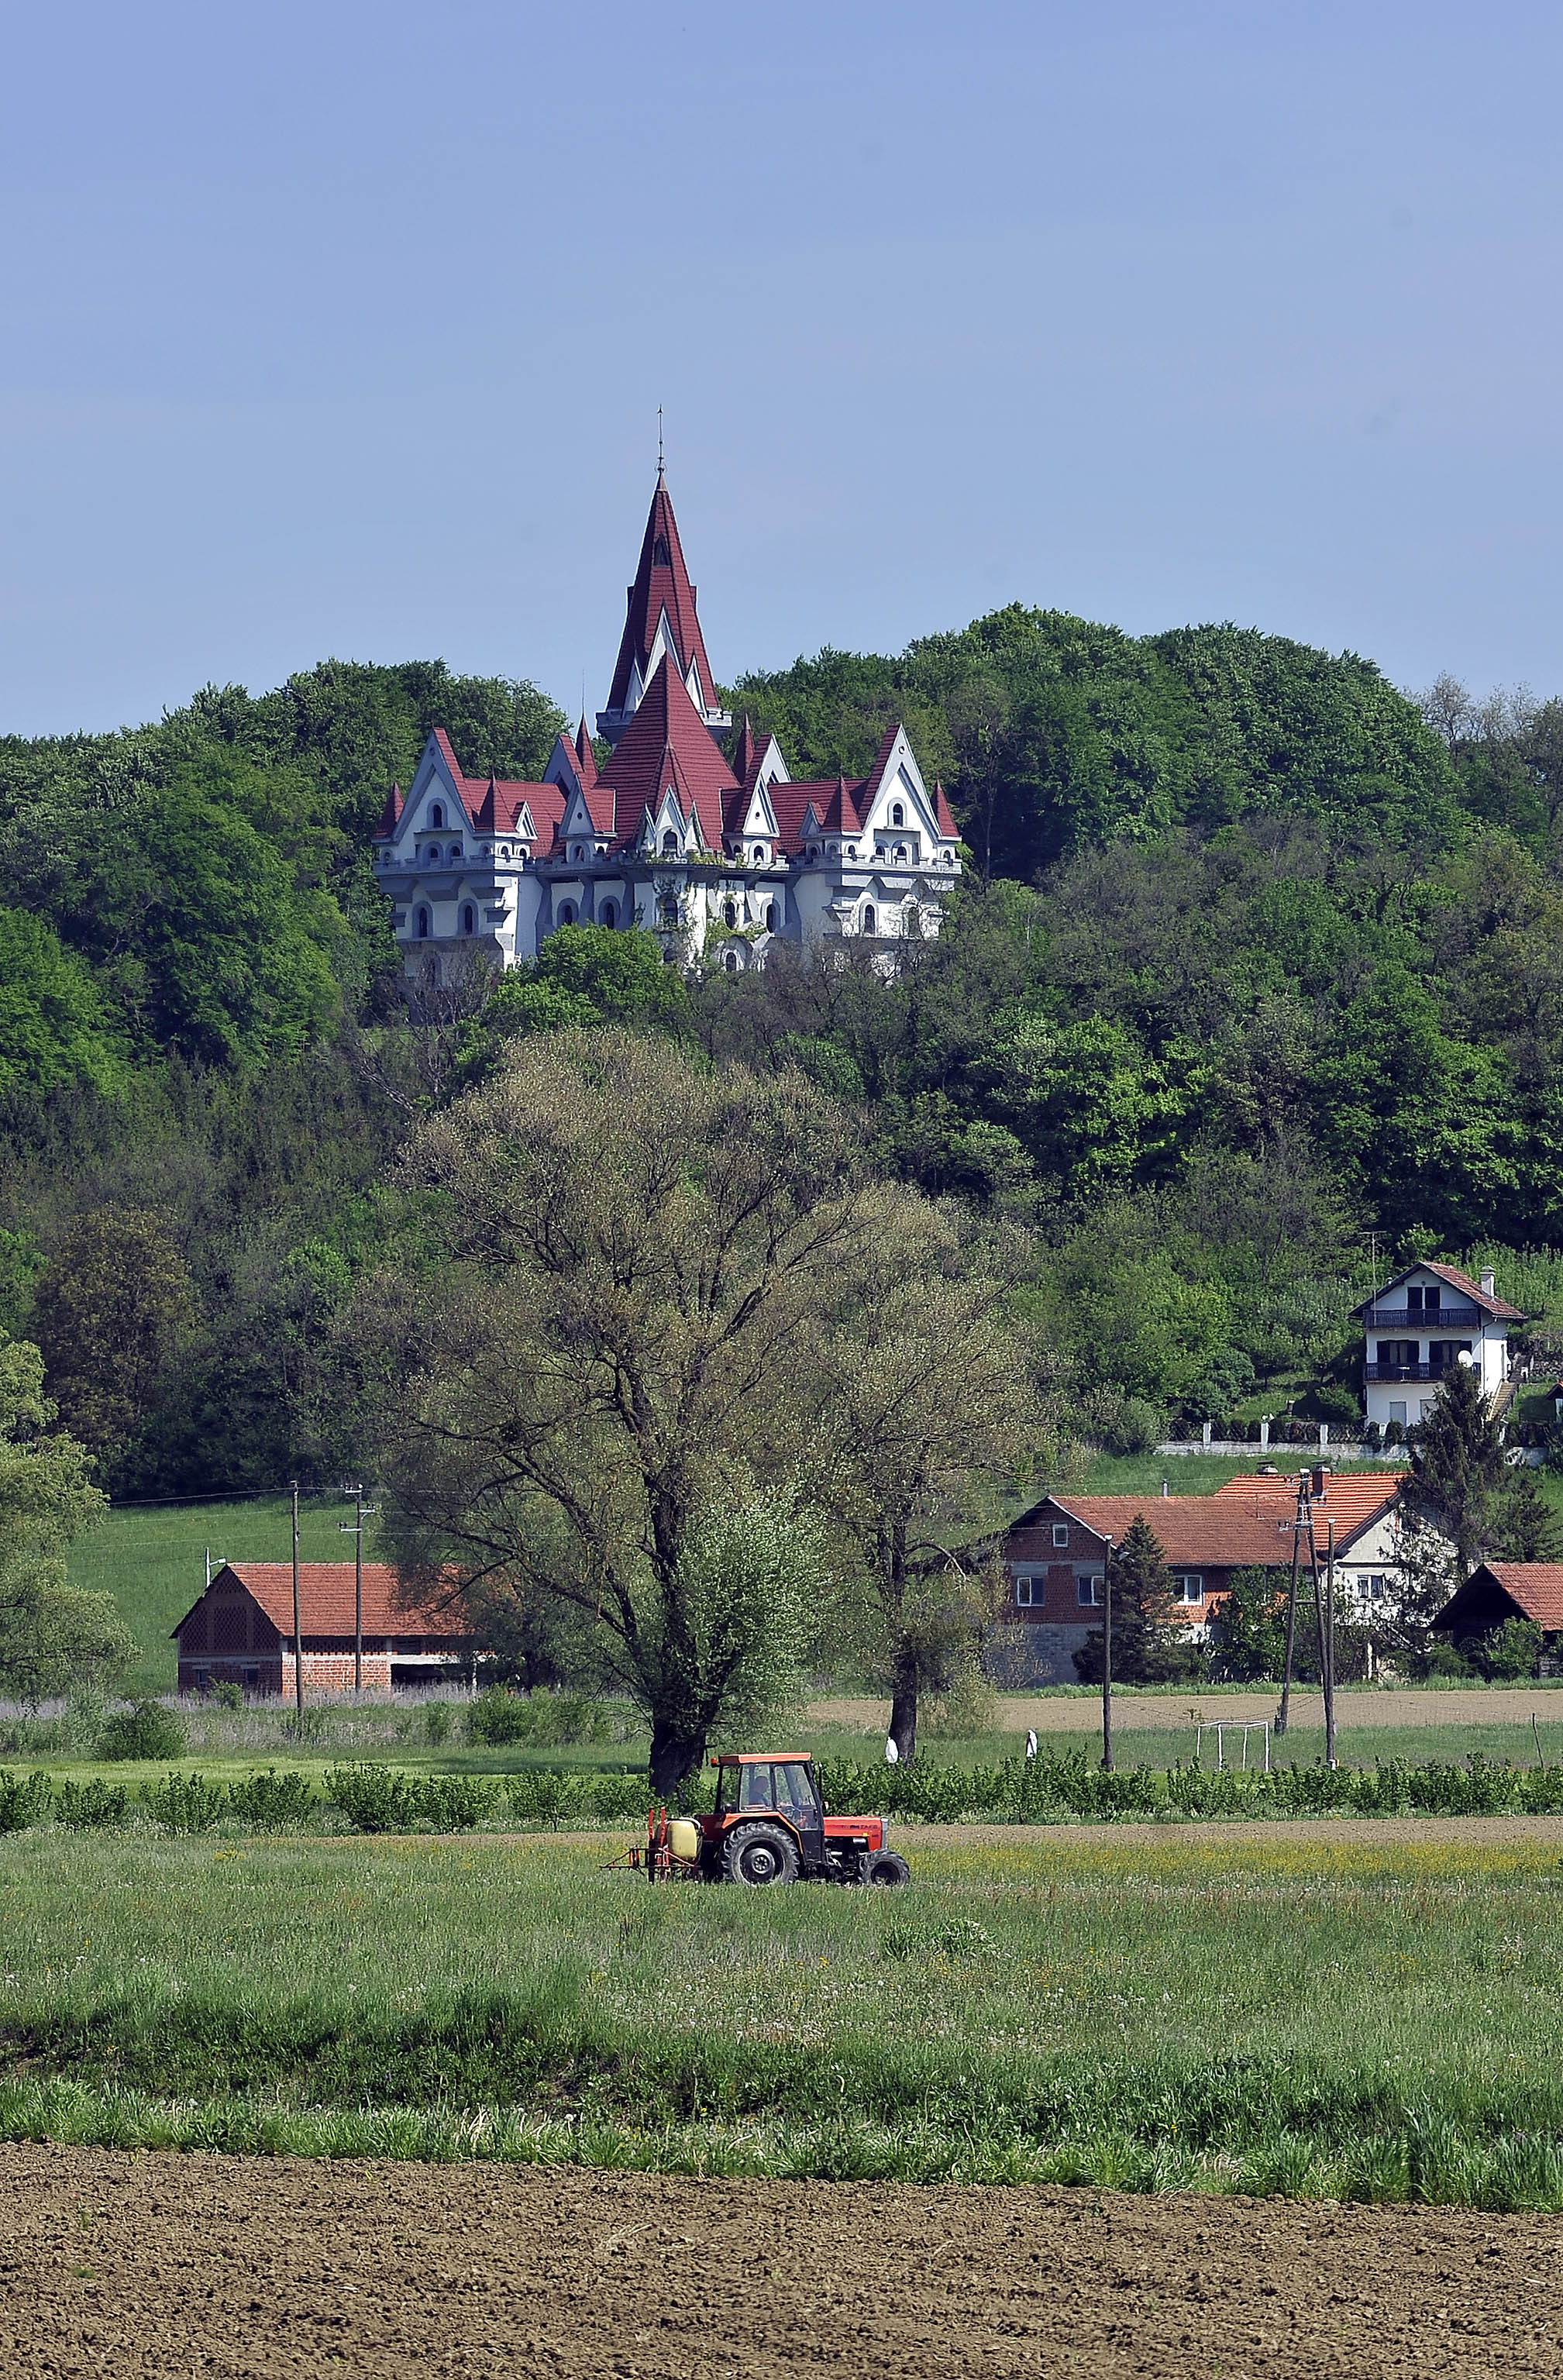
(1302,1521)
(355,1529)
(1328,1662)
(1107,1658)
(297,1637)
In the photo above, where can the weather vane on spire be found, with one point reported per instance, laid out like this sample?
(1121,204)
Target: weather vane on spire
(659,441)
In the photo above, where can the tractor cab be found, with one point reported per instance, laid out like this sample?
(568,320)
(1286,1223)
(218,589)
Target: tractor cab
(749,1782)
(769,1826)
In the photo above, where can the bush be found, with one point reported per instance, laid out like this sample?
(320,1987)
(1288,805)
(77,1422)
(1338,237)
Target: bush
(23,1800)
(1513,1650)
(448,1805)
(186,1805)
(1134,1428)
(499,1717)
(374,1799)
(145,1732)
(436,1723)
(228,1695)
(92,1805)
(273,1803)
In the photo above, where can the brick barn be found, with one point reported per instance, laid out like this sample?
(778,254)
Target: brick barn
(241,1630)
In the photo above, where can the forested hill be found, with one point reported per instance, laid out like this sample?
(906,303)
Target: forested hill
(1051,731)
(1254,959)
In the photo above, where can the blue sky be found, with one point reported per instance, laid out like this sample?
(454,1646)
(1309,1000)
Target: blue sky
(342,330)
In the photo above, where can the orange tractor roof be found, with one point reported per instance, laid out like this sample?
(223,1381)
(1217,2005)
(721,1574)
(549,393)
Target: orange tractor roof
(737,1759)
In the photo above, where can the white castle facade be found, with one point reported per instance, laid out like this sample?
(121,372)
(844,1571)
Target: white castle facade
(719,855)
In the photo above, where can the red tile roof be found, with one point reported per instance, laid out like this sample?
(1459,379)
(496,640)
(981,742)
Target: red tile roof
(668,743)
(390,814)
(1352,1499)
(944,814)
(661,584)
(1536,1587)
(586,758)
(325,1601)
(1198,1532)
(1497,1307)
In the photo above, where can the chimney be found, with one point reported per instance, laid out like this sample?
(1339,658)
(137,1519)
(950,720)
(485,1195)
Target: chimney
(1321,1478)
(1489,1282)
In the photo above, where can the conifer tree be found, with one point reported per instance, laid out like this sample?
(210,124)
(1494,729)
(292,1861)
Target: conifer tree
(1458,1461)
(1144,1651)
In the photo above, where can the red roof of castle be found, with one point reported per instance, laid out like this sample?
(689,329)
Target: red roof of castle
(661,584)
(586,758)
(668,743)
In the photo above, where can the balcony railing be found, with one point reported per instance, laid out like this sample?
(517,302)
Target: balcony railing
(1404,1371)
(1416,1322)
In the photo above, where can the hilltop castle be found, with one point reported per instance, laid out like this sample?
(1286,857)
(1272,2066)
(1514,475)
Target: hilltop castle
(718,857)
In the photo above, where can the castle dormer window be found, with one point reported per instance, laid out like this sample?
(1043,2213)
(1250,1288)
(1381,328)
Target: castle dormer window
(670,844)
(898,816)
(437,814)
(759,855)
(567,913)
(870,923)
(659,552)
(455,851)
(469,918)
(420,923)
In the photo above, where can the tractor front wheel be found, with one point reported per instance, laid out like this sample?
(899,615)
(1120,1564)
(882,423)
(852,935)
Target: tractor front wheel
(886,1868)
(759,1855)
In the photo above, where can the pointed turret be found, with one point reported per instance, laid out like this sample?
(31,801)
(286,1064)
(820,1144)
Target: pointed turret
(661,619)
(666,743)
(586,758)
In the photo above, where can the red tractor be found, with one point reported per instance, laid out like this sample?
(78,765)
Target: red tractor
(769,1826)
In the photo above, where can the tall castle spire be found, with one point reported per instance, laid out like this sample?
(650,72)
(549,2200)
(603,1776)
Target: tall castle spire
(660,621)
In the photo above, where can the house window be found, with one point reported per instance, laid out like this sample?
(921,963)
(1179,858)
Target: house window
(898,816)
(610,913)
(869,918)
(1060,1533)
(1398,1414)
(437,814)
(469,918)
(567,914)
(1370,1586)
(1088,1587)
(1026,1590)
(1188,1586)
(420,924)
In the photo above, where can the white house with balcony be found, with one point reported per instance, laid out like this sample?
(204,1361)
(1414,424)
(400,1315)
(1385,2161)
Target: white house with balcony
(1428,1319)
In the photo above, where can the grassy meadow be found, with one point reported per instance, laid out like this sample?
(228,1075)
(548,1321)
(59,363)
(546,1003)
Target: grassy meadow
(1301,2014)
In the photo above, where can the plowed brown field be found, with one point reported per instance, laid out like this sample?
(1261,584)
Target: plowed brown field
(118,2264)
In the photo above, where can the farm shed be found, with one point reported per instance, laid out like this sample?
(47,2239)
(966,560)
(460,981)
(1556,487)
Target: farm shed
(1500,1591)
(242,1629)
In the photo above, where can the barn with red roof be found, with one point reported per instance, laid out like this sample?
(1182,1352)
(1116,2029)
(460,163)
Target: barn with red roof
(698,835)
(240,1632)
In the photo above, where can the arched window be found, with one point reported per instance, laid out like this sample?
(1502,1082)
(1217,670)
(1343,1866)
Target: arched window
(731,962)
(469,918)
(900,851)
(437,814)
(869,916)
(730,913)
(420,924)
(660,551)
(670,844)
(771,921)
(610,913)
(567,913)
(898,816)
(759,855)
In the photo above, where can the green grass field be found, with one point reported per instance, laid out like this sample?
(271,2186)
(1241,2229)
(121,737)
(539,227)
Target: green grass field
(1304,2015)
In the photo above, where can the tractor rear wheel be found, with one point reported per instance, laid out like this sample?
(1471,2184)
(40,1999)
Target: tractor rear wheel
(759,1855)
(886,1868)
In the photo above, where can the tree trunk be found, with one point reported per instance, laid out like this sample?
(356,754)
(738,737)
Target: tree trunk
(675,1757)
(904,1710)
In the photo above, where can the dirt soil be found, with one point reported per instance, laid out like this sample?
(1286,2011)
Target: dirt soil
(116,2263)
(1378,1706)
